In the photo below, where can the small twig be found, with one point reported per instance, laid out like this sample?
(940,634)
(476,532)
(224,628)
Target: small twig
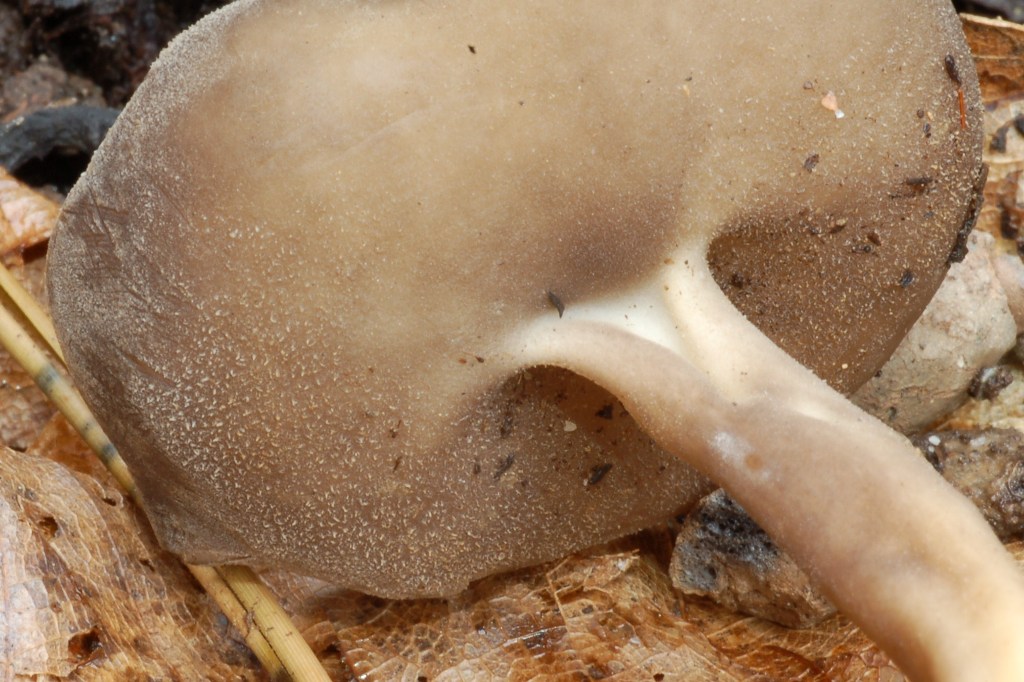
(271,619)
(32,311)
(276,643)
(34,361)
(221,593)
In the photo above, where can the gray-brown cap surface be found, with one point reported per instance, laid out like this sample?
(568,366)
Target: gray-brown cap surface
(315,281)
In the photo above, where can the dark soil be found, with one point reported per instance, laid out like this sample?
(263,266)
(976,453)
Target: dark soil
(66,68)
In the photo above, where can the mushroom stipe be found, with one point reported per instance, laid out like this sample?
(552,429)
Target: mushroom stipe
(304,189)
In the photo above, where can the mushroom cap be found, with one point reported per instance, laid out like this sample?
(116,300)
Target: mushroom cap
(292,280)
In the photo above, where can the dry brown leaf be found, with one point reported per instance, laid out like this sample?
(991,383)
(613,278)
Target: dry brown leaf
(26,219)
(87,590)
(998,48)
(24,410)
(103,594)
(88,594)
(611,616)
(26,216)
(1002,191)
(995,44)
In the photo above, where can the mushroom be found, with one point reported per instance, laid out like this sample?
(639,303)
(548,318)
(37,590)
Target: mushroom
(367,291)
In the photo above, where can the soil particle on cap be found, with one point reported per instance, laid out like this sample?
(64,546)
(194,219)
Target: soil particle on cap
(556,301)
(597,473)
(951,69)
(505,465)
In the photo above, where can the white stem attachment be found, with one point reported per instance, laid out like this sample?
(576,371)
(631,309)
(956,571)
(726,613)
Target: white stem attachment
(894,546)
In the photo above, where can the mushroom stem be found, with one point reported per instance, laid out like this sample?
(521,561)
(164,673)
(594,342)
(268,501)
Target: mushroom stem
(881,532)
